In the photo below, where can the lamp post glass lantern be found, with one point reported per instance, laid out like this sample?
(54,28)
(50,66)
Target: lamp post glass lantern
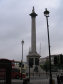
(46,14)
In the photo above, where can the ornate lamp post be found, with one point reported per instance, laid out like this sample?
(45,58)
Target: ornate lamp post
(22,58)
(46,14)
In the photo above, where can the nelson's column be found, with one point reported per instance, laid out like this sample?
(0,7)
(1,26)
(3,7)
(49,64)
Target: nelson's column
(33,56)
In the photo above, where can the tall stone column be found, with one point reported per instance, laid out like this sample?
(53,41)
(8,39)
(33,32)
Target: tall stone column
(33,31)
(33,56)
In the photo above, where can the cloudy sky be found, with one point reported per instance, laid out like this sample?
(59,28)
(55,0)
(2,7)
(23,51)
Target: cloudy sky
(15,26)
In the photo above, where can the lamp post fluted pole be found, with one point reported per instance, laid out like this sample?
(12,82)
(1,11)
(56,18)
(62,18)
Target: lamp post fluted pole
(22,58)
(46,13)
(22,49)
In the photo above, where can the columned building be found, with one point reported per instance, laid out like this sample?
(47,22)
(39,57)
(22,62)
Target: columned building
(33,56)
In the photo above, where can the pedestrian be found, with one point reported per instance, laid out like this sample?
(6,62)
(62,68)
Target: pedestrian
(58,80)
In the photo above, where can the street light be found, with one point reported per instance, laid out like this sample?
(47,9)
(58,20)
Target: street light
(46,14)
(22,58)
(22,49)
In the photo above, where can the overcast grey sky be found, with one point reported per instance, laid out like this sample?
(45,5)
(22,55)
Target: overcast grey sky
(15,26)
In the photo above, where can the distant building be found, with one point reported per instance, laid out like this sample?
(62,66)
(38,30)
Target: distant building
(43,60)
(18,66)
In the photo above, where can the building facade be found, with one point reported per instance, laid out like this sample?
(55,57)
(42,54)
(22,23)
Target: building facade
(43,60)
